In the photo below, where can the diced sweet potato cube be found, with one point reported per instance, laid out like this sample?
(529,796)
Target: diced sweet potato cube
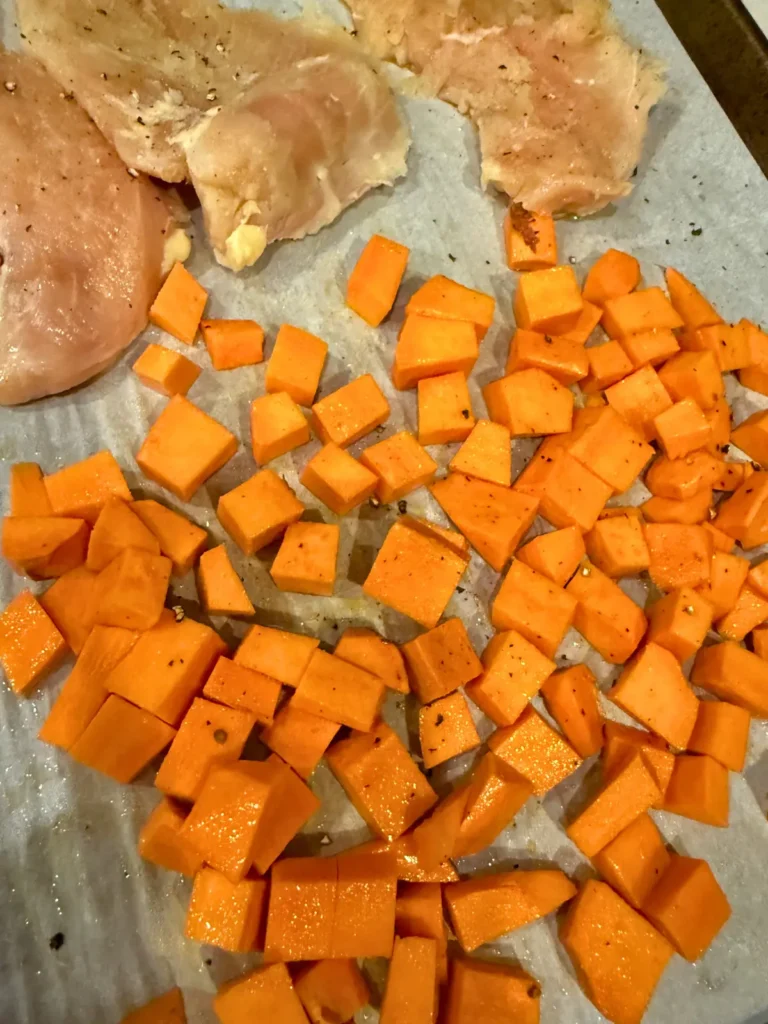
(487,992)
(720,541)
(276,653)
(749,611)
(688,906)
(301,909)
(258,511)
(680,556)
(441,660)
(419,913)
(449,300)
(654,691)
(639,399)
(573,495)
(689,512)
(679,622)
(277,426)
(161,844)
(264,994)
(614,274)
(179,539)
(241,687)
(410,996)
(118,527)
(588,319)
(634,862)
(230,915)
(408,867)
(729,476)
(415,574)
(744,516)
(28,496)
(121,740)
(698,789)
(341,692)
(534,606)
(30,644)
(165,1009)
(444,409)
(179,304)
(163,370)
(306,561)
(332,990)
(617,546)
(536,750)
(561,358)
(752,437)
(571,698)
(494,519)
(513,673)
(538,470)
(721,732)
(45,547)
(429,347)
(446,729)
(434,838)
(649,348)
(364,924)
(299,737)
(367,649)
(622,741)
(618,956)
(645,310)
(296,364)
(689,302)
(605,443)
(401,465)
(694,375)
(604,615)
(729,343)
(530,402)
(68,603)
(82,489)
(555,555)
(608,364)
(494,795)
(221,589)
(727,577)
(681,478)
(375,278)
(734,674)
(233,343)
(338,480)
(350,412)
(548,300)
(530,239)
(486,454)
(130,591)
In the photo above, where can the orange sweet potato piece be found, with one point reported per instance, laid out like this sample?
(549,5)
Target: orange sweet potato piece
(688,906)
(230,915)
(561,358)
(733,674)
(530,239)
(332,990)
(679,622)
(165,1009)
(408,867)
(30,644)
(277,426)
(338,480)
(608,364)
(752,437)
(276,653)
(587,321)
(698,789)
(179,539)
(68,603)
(680,556)
(513,673)
(364,923)
(419,913)
(264,994)
(367,649)
(571,698)
(429,347)
(536,750)
(165,371)
(117,528)
(433,839)
(340,692)
(681,478)
(617,546)
(258,511)
(530,402)
(221,589)
(449,300)
(401,464)
(729,343)
(350,412)
(296,364)
(446,729)
(82,489)
(233,343)
(483,993)
(720,541)
(410,996)
(241,687)
(639,399)
(618,956)
(161,844)
(689,512)
(614,274)
(548,300)
(28,495)
(306,561)
(722,732)
(645,310)
(441,660)
(744,516)
(375,278)
(130,592)
(693,375)
(486,454)
(494,795)
(534,606)
(299,738)
(621,741)
(444,409)
(693,308)
(604,615)
(749,611)
(533,479)
(728,575)
(573,495)
(682,429)
(729,476)
(654,691)
(634,862)
(555,555)
(121,740)
(605,443)
(45,547)
(179,304)
(650,347)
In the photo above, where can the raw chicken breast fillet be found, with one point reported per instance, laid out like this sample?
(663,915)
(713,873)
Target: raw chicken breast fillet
(560,99)
(81,240)
(279,125)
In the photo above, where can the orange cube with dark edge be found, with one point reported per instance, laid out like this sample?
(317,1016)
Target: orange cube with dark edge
(277,426)
(629,792)
(645,310)
(494,519)
(258,511)
(440,297)
(338,480)
(494,795)
(264,994)
(209,735)
(634,862)
(650,347)
(680,621)
(530,239)
(513,673)
(446,729)
(682,429)
(699,789)
(679,556)
(184,447)
(428,347)
(695,310)
(571,698)
(722,732)
(306,561)
(166,371)
(341,692)
(555,555)
(529,403)
(487,992)
(296,364)
(444,409)
(276,653)
(130,592)
(30,644)
(614,274)
(533,606)
(410,996)
(332,990)
(654,691)
(301,909)
(538,470)
(161,844)
(375,278)
(382,781)
(28,496)
(121,740)
(364,923)
(622,741)
(367,649)
(605,443)
(608,364)
(573,495)
(166,667)
(441,660)
(179,304)
(639,399)
(548,300)
(419,912)
(693,375)
(233,343)
(617,546)
(230,915)
(220,588)
(83,488)
(618,956)
(350,412)
(415,573)
(401,465)
(486,454)
(688,906)
(604,615)
(727,576)
(536,750)
(561,358)
(179,539)
(299,738)
(165,1009)
(744,516)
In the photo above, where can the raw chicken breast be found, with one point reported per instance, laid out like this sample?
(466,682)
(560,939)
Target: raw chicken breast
(560,99)
(278,125)
(81,240)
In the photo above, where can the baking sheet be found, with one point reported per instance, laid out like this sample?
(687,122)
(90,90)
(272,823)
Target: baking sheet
(68,861)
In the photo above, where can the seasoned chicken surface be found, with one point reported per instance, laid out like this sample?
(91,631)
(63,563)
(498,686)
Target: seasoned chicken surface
(278,125)
(81,240)
(560,99)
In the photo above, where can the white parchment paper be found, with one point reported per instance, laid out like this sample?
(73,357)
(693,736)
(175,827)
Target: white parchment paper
(68,860)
